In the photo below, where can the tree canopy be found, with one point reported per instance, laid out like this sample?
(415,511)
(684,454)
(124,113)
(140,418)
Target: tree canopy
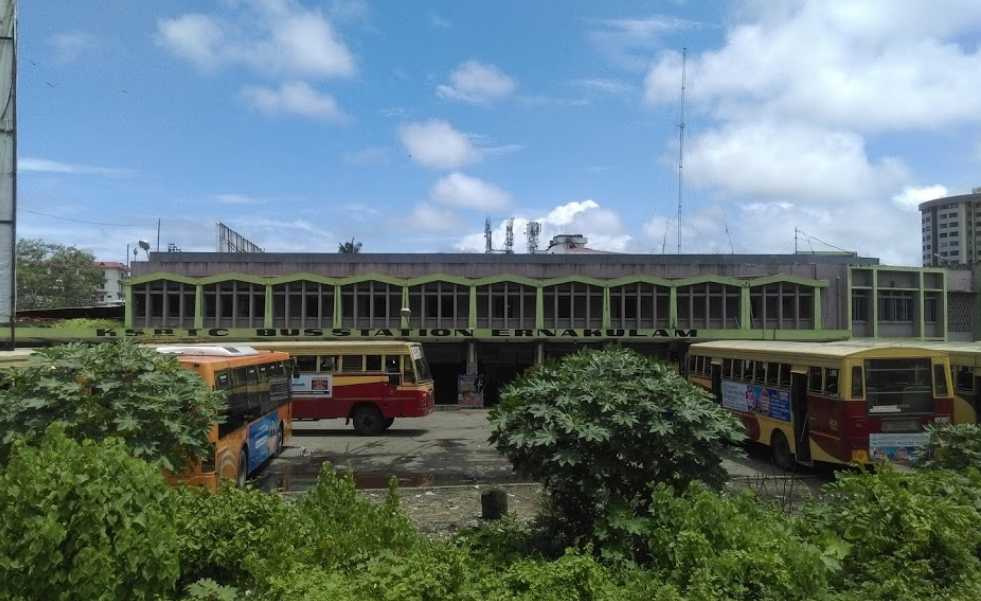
(351,247)
(53,275)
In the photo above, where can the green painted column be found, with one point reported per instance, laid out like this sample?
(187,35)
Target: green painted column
(745,309)
(818,322)
(472,319)
(921,312)
(199,306)
(267,318)
(875,303)
(673,307)
(539,307)
(404,323)
(128,307)
(606,308)
(337,307)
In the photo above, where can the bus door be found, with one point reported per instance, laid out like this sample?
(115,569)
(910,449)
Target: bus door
(717,381)
(799,416)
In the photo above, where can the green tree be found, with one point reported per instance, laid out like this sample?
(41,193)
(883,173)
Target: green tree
(84,521)
(161,410)
(600,428)
(53,275)
(352,247)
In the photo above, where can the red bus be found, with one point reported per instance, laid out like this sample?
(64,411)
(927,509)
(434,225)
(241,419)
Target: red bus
(835,402)
(370,384)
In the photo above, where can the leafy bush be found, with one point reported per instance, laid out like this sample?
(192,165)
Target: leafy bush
(84,521)
(161,410)
(236,536)
(908,535)
(954,447)
(714,546)
(599,428)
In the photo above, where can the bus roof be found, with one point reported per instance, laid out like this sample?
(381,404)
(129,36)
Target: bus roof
(225,361)
(828,350)
(337,346)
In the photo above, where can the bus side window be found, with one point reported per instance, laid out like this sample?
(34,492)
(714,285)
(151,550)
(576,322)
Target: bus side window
(814,379)
(965,377)
(263,374)
(326,364)
(857,382)
(373,363)
(760,372)
(408,375)
(691,364)
(252,375)
(306,363)
(773,374)
(831,381)
(785,375)
(392,364)
(747,370)
(727,368)
(222,381)
(352,363)
(939,379)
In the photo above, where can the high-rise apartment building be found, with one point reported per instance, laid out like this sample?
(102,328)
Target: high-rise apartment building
(951,229)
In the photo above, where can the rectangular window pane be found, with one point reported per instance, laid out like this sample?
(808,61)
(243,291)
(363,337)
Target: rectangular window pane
(372,363)
(351,363)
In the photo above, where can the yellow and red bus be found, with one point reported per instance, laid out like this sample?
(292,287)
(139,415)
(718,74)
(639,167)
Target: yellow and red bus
(258,415)
(847,402)
(368,383)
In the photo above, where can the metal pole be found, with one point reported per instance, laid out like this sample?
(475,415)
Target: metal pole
(681,142)
(158,234)
(8,9)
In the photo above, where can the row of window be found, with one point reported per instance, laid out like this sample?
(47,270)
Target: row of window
(822,380)
(303,304)
(357,364)
(895,306)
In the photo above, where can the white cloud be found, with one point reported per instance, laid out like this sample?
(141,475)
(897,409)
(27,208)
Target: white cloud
(238,199)
(870,66)
(36,165)
(372,156)
(436,144)
(628,42)
(70,45)
(602,227)
(270,36)
(911,196)
(295,98)
(463,191)
(604,85)
(477,83)
(789,162)
(431,218)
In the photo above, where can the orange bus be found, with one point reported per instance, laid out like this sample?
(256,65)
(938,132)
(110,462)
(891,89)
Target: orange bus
(369,383)
(833,402)
(257,418)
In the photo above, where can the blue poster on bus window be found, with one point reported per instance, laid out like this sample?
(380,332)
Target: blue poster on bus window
(755,398)
(262,439)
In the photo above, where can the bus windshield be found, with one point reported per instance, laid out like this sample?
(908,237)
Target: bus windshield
(898,386)
(422,369)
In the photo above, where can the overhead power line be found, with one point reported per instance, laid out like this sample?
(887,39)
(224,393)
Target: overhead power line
(83,221)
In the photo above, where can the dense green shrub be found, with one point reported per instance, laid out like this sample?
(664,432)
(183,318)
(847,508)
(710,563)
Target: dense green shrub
(84,521)
(161,410)
(719,546)
(236,536)
(908,535)
(599,428)
(954,447)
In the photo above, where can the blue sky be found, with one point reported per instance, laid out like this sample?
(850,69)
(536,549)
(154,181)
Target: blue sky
(303,123)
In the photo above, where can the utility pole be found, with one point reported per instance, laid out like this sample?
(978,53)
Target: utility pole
(158,234)
(681,142)
(8,166)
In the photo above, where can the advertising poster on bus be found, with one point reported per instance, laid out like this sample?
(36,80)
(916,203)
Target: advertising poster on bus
(312,385)
(904,448)
(756,398)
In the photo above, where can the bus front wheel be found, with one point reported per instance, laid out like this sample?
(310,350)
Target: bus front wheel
(388,422)
(780,448)
(368,421)
(243,469)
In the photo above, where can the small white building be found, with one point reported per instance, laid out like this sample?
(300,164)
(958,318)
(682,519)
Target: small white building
(111,292)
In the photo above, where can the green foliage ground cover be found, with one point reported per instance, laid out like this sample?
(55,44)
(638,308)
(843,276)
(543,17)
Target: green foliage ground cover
(88,520)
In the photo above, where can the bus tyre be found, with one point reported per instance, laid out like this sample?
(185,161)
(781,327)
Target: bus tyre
(388,422)
(368,421)
(243,469)
(780,449)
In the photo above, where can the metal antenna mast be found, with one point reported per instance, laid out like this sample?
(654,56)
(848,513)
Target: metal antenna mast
(681,141)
